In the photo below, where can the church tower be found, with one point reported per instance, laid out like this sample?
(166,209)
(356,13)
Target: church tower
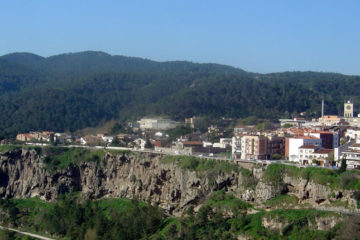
(348,109)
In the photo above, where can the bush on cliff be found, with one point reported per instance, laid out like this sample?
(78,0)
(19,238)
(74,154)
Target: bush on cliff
(350,179)
(59,158)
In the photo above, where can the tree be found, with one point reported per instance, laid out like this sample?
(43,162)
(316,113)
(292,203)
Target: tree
(115,142)
(343,165)
(148,143)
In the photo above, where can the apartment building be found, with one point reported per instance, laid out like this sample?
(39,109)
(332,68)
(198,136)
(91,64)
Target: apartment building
(250,147)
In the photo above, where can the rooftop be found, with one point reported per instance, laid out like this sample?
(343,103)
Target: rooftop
(305,137)
(192,143)
(308,146)
(324,151)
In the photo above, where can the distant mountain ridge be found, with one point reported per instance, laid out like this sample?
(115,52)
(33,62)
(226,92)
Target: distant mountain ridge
(95,61)
(77,90)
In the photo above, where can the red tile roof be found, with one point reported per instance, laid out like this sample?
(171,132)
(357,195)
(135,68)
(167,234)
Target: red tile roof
(324,151)
(192,143)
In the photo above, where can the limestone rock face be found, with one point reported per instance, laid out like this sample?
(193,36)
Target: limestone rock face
(264,191)
(23,174)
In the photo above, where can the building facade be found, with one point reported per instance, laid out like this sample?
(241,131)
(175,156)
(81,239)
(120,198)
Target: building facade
(292,145)
(352,156)
(156,124)
(348,109)
(250,147)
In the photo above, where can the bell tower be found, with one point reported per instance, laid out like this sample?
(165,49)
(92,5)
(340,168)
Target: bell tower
(348,109)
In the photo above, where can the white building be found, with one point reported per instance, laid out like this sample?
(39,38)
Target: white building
(157,124)
(236,146)
(293,144)
(107,139)
(352,156)
(223,143)
(307,153)
(139,143)
(296,122)
(353,133)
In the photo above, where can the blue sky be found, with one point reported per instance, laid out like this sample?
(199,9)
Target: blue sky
(259,36)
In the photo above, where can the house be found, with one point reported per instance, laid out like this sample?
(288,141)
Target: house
(44,136)
(23,137)
(90,140)
(244,130)
(196,146)
(330,120)
(62,138)
(292,145)
(308,153)
(139,143)
(107,139)
(47,136)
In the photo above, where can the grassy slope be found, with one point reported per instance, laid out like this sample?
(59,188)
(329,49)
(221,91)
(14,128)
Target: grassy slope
(349,179)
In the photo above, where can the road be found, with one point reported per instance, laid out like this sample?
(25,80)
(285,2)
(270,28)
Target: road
(26,233)
(263,162)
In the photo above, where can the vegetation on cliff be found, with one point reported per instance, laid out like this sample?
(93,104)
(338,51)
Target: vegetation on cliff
(350,179)
(61,157)
(201,165)
(222,216)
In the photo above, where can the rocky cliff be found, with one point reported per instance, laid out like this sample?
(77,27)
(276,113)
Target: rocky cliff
(24,174)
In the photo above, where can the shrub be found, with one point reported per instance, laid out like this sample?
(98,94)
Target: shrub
(274,173)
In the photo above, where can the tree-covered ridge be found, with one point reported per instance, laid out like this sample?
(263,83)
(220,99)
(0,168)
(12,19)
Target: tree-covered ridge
(78,90)
(94,62)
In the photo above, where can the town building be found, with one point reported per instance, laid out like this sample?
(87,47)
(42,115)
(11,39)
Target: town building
(223,143)
(296,122)
(329,139)
(244,130)
(352,156)
(311,154)
(44,136)
(138,143)
(192,122)
(348,109)
(353,133)
(292,145)
(250,147)
(156,124)
(330,120)
(276,145)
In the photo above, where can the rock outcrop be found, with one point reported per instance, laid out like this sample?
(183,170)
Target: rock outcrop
(142,175)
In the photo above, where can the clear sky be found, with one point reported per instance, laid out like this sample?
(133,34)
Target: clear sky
(259,36)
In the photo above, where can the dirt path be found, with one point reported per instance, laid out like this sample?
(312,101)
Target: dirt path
(26,233)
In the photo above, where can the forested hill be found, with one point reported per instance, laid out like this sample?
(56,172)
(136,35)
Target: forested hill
(77,90)
(100,62)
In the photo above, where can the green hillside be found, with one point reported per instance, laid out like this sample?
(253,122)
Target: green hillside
(78,90)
